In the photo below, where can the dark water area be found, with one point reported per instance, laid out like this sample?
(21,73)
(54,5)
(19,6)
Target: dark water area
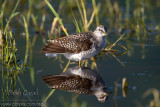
(142,64)
(141,71)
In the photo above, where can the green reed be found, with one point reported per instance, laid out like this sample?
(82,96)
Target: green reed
(83,13)
(11,67)
(13,14)
(50,93)
(27,40)
(8,59)
(8,41)
(55,13)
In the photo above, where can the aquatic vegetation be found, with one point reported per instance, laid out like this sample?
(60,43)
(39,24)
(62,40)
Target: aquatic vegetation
(155,102)
(11,66)
(55,13)
(8,48)
(8,61)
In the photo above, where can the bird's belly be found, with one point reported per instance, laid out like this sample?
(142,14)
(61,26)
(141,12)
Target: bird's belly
(75,57)
(82,55)
(86,54)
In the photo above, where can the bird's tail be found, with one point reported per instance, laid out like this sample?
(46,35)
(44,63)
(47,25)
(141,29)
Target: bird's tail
(51,54)
(53,80)
(54,48)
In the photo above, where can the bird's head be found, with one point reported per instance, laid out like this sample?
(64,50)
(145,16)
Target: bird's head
(101,96)
(100,31)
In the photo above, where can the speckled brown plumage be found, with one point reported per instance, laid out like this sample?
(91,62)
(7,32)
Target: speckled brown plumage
(78,80)
(77,46)
(70,83)
(69,44)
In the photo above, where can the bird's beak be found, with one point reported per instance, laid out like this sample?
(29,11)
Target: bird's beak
(106,94)
(105,33)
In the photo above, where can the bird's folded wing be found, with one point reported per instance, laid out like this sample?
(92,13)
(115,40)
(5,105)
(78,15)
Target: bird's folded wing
(69,44)
(68,83)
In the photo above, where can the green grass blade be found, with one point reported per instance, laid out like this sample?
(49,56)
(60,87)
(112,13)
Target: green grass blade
(75,22)
(95,7)
(26,28)
(66,66)
(85,15)
(116,41)
(55,13)
(50,93)
(21,84)
(32,76)
(80,11)
(27,40)
(12,15)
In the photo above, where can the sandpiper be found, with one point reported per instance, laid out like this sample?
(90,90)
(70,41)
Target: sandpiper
(77,46)
(79,80)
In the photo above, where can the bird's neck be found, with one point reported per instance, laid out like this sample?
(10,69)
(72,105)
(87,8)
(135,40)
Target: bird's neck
(98,36)
(100,40)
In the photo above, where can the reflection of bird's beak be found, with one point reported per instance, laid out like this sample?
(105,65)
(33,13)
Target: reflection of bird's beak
(106,94)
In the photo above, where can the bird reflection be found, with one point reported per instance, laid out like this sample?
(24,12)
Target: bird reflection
(79,80)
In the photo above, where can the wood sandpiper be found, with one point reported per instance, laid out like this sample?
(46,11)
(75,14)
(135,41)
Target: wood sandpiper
(77,46)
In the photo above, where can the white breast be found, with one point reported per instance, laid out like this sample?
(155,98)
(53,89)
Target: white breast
(82,55)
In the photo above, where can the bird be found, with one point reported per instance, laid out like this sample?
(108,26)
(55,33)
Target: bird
(78,46)
(79,80)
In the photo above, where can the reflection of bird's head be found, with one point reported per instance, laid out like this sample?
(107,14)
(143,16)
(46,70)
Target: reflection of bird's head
(100,31)
(101,96)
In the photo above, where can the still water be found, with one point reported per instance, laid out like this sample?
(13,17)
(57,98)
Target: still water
(141,71)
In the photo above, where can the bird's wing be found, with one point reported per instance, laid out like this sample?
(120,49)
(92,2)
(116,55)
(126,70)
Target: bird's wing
(69,44)
(69,83)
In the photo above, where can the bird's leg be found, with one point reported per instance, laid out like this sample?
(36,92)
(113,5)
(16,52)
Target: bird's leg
(79,64)
(94,63)
(86,62)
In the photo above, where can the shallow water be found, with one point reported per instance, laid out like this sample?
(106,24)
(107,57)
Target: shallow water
(141,71)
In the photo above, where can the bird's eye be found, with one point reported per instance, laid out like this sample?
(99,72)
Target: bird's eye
(99,29)
(101,97)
